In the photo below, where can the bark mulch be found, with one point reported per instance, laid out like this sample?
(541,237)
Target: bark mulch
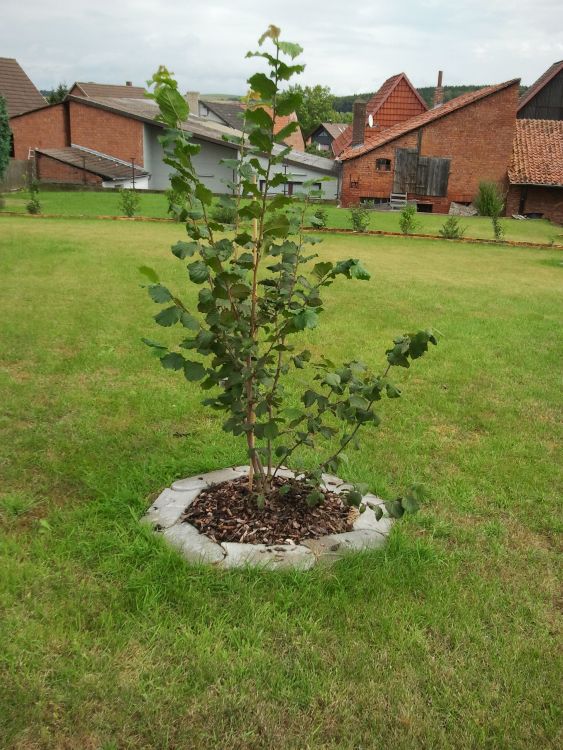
(228,512)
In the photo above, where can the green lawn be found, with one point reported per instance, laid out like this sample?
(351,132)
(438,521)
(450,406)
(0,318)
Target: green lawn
(89,203)
(450,638)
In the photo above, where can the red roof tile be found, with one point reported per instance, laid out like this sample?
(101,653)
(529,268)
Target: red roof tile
(375,104)
(542,81)
(537,153)
(97,90)
(413,123)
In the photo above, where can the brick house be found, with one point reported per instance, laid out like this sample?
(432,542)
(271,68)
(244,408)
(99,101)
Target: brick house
(535,174)
(396,101)
(544,99)
(124,132)
(436,157)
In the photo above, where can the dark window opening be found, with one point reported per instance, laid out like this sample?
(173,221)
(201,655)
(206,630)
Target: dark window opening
(383,165)
(424,208)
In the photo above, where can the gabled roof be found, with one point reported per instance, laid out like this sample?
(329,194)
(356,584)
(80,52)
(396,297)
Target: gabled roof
(414,123)
(97,90)
(334,129)
(374,105)
(17,89)
(542,81)
(537,153)
(100,164)
(231,112)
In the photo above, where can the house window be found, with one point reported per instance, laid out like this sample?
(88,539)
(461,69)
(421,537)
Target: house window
(383,165)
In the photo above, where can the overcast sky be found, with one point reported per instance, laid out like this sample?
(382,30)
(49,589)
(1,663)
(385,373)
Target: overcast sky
(349,46)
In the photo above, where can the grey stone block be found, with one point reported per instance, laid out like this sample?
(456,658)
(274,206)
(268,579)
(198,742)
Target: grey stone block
(199,481)
(195,547)
(337,545)
(267,556)
(168,507)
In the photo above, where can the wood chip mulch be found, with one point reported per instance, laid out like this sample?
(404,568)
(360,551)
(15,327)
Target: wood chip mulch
(228,512)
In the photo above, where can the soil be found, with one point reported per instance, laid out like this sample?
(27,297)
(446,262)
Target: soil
(228,512)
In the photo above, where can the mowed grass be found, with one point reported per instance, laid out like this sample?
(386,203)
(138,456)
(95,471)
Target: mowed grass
(154,205)
(449,638)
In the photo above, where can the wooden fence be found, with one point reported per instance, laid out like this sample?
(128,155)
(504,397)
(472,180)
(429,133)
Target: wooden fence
(16,174)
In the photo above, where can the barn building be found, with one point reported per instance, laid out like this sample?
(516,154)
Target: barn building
(122,134)
(535,174)
(435,157)
(544,99)
(324,135)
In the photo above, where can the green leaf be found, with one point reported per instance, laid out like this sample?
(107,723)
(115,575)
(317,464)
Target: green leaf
(378,512)
(394,508)
(193,370)
(320,270)
(154,344)
(198,271)
(159,293)
(332,379)
(305,319)
(358,402)
(261,84)
(172,361)
(168,317)
(188,321)
(289,103)
(290,48)
(150,273)
(314,498)
(184,249)
(203,194)
(392,390)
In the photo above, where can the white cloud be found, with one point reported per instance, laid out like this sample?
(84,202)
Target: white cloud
(350,48)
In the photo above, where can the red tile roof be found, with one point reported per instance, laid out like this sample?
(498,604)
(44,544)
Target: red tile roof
(374,105)
(17,89)
(542,81)
(537,153)
(413,123)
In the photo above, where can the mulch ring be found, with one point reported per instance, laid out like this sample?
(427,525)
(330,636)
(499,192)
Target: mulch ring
(228,512)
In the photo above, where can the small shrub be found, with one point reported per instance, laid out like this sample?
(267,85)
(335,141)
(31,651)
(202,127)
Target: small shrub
(498,229)
(129,201)
(408,222)
(489,201)
(175,207)
(320,218)
(224,214)
(359,218)
(33,206)
(452,229)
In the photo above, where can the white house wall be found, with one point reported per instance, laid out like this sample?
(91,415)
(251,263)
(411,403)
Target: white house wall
(213,174)
(207,163)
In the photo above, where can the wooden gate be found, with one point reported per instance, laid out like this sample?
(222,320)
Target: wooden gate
(422,175)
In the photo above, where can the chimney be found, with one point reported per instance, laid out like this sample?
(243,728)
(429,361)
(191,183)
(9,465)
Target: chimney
(128,83)
(192,97)
(438,92)
(358,123)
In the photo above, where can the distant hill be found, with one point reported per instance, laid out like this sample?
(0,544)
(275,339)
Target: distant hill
(345,103)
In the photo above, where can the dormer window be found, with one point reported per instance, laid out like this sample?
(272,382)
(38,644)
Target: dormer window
(383,165)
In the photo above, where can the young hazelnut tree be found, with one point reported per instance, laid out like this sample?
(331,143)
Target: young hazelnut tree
(260,287)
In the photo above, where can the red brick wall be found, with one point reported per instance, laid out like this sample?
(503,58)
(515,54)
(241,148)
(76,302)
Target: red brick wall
(51,170)
(401,104)
(44,128)
(106,132)
(545,200)
(477,138)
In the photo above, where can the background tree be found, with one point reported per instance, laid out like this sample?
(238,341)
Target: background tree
(57,95)
(5,138)
(316,105)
